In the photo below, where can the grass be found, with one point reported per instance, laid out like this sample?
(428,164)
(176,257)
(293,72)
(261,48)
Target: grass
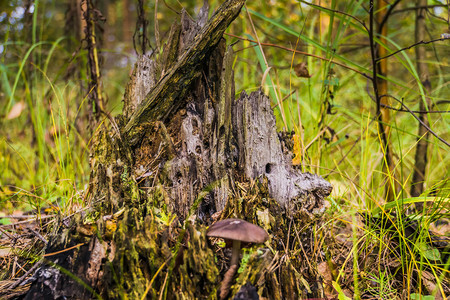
(352,157)
(44,150)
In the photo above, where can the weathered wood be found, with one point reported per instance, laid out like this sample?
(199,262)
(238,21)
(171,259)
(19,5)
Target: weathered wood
(158,180)
(221,140)
(142,80)
(260,153)
(165,98)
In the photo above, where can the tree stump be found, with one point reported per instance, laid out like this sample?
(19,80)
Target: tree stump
(184,152)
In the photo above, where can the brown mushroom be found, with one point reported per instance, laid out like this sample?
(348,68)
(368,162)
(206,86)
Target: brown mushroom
(236,231)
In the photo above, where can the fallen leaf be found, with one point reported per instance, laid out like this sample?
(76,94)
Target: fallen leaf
(301,70)
(5,252)
(324,270)
(16,110)
(297,151)
(265,218)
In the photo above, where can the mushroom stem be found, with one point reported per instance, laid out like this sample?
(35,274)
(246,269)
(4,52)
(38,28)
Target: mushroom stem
(238,231)
(236,253)
(227,282)
(228,277)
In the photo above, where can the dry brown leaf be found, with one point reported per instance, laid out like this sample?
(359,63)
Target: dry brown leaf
(301,70)
(324,270)
(429,281)
(443,228)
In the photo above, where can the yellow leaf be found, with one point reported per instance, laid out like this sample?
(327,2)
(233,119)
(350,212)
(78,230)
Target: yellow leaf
(297,160)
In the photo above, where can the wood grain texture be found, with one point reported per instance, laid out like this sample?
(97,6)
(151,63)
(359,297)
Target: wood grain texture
(261,154)
(162,100)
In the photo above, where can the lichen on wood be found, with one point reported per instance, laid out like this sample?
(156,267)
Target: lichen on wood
(184,153)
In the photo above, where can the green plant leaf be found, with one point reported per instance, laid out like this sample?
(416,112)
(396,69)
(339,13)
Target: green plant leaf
(430,253)
(338,289)
(5,221)
(421,297)
(402,202)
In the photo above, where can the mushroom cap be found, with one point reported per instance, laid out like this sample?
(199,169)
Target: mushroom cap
(238,230)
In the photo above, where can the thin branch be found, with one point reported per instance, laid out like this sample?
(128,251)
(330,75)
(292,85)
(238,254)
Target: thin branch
(374,59)
(337,11)
(411,46)
(44,240)
(418,119)
(282,100)
(24,276)
(388,13)
(171,8)
(442,102)
(301,52)
(418,7)
(436,16)
(416,111)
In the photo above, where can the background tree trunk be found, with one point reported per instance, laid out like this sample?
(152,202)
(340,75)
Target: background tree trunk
(425,103)
(384,115)
(184,153)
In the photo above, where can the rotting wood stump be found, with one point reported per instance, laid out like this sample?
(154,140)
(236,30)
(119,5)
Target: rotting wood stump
(184,153)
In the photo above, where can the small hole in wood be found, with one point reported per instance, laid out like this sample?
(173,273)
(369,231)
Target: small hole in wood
(268,168)
(178,177)
(194,124)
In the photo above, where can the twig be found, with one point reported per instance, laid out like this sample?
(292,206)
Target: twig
(6,233)
(24,276)
(27,221)
(414,111)
(14,265)
(300,52)
(302,248)
(282,100)
(20,216)
(388,13)
(64,250)
(417,111)
(38,235)
(409,47)
(418,7)
(336,11)
(418,119)
(171,8)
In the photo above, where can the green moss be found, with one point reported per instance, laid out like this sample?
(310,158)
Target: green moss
(197,276)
